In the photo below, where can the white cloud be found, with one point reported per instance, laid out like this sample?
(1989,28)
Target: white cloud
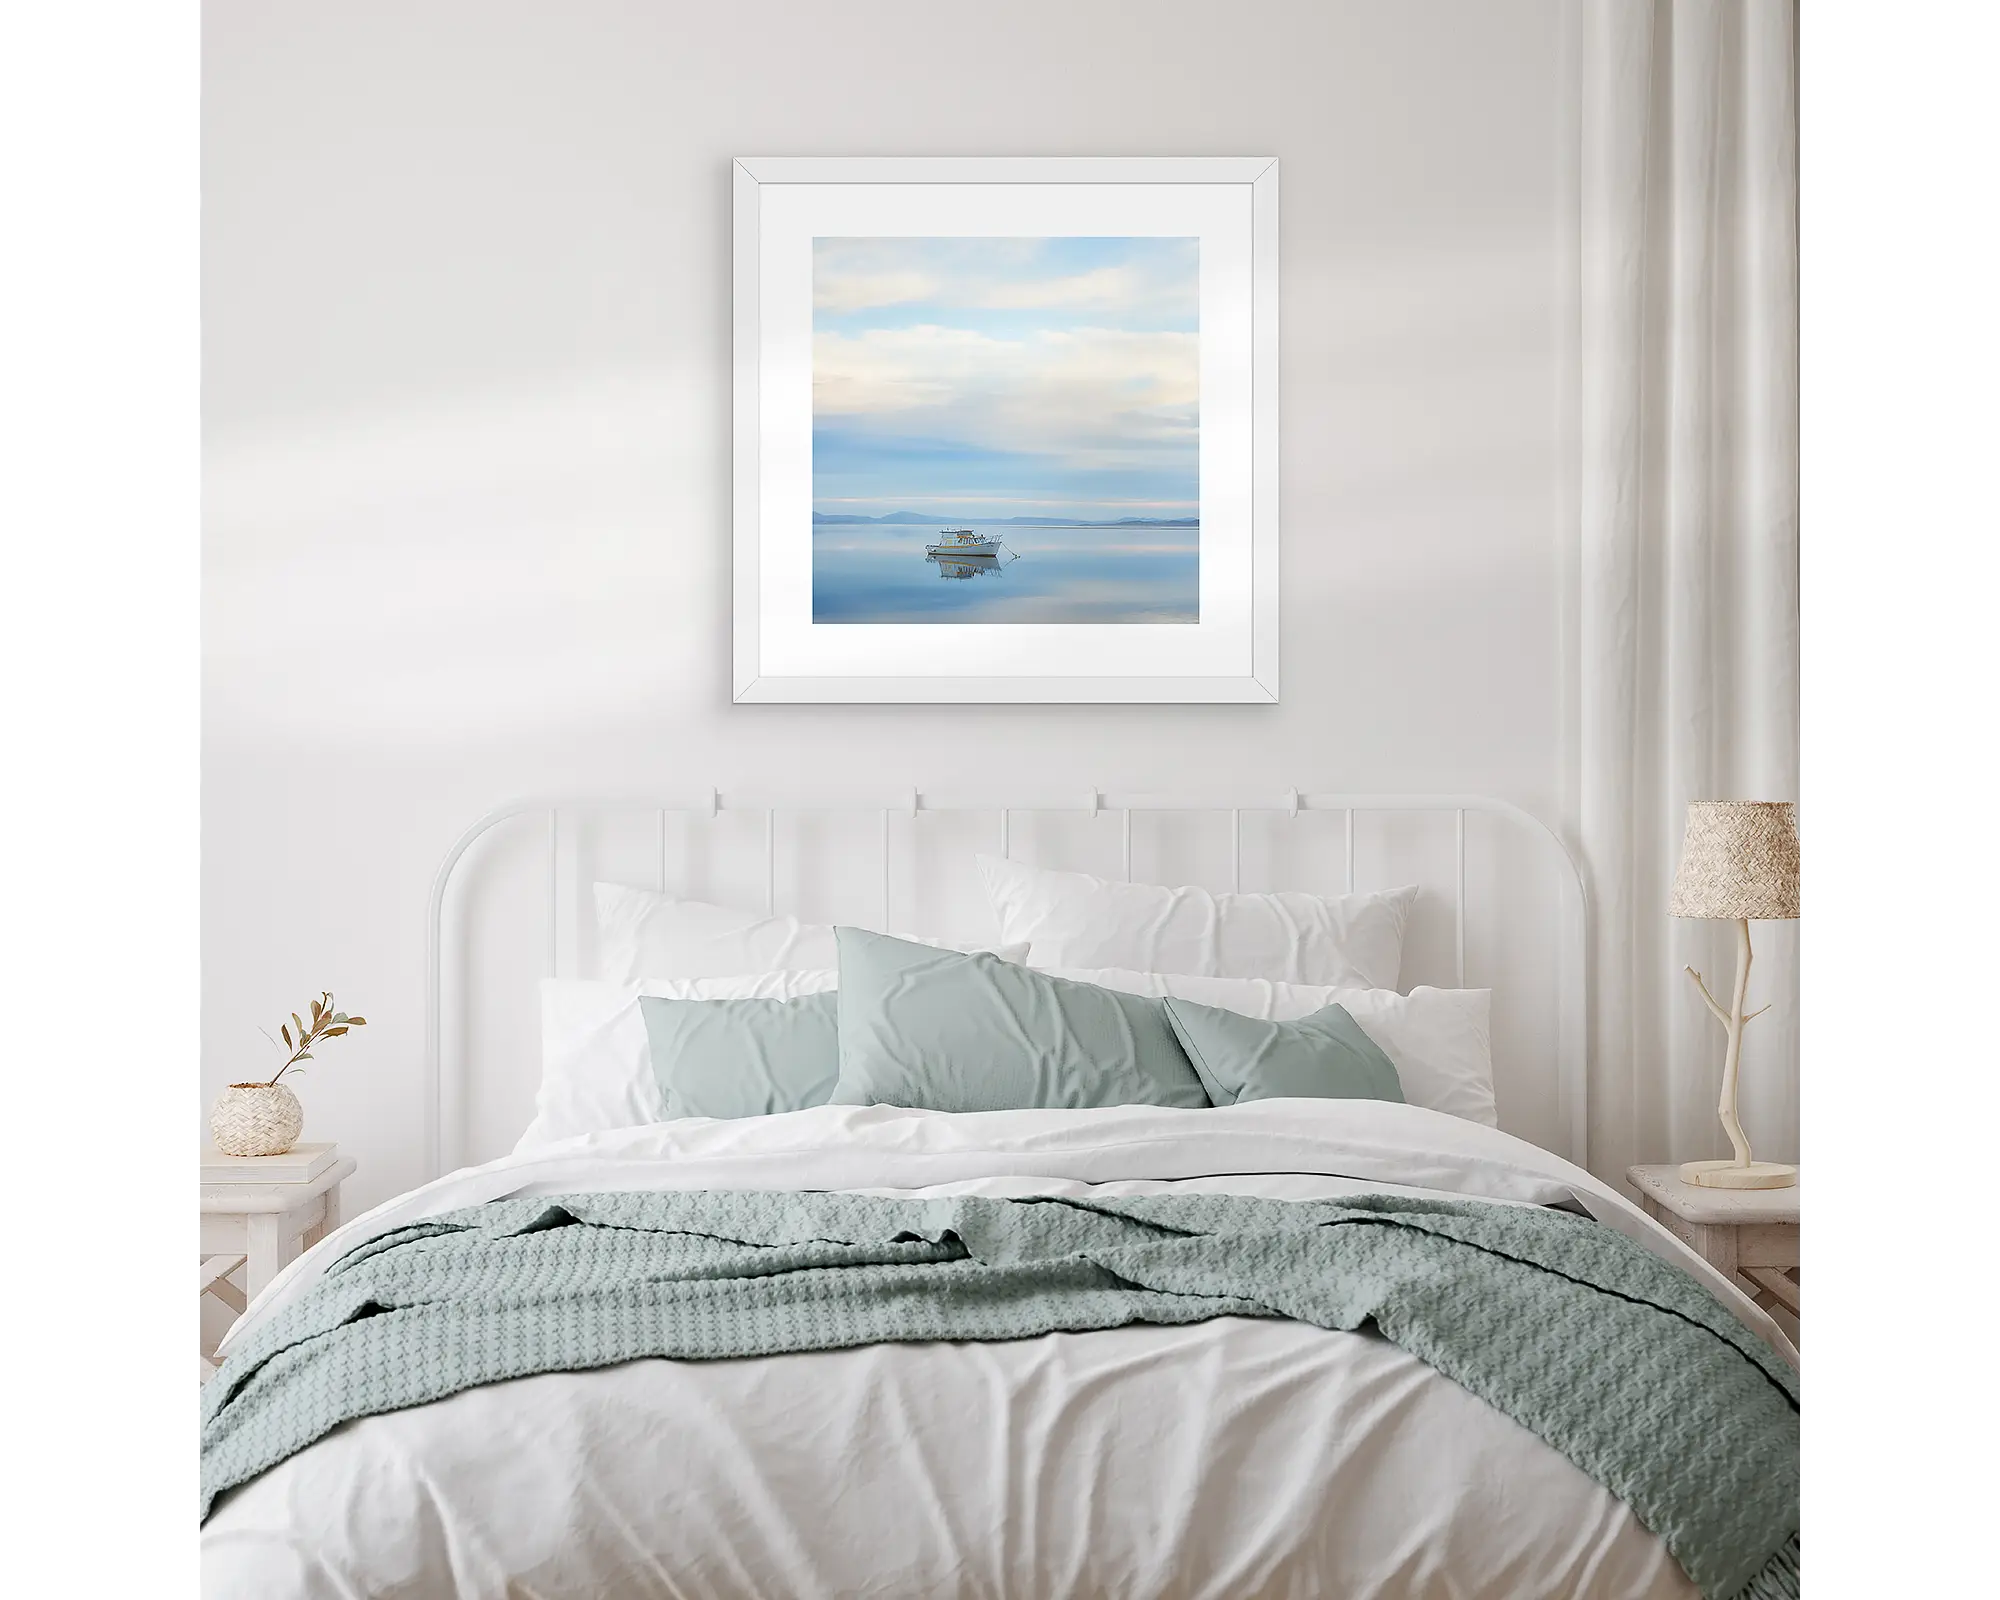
(1090,394)
(859,291)
(998,274)
(1107,287)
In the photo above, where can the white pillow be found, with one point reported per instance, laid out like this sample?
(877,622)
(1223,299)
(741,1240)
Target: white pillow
(1440,1040)
(641,935)
(1071,919)
(597,1071)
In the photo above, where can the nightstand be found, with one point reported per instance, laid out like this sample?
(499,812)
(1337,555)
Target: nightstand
(1750,1236)
(260,1226)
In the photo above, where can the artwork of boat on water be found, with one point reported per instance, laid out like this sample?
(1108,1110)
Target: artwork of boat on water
(1024,410)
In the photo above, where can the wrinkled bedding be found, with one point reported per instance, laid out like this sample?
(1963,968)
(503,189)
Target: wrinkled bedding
(1234,1456)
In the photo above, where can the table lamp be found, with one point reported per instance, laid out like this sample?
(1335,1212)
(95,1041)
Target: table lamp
(1739,859)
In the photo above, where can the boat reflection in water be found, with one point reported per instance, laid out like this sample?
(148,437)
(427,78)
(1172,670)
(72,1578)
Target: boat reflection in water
(965,566)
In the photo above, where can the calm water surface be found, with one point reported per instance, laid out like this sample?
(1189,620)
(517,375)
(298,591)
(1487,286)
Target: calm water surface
(875,572)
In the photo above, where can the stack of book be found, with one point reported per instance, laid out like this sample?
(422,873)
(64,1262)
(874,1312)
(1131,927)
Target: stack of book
(300,1164)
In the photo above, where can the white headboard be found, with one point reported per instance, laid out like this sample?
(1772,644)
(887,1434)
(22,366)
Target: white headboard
(1502,905)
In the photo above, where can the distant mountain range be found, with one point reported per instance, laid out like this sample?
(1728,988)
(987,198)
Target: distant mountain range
(1016,522)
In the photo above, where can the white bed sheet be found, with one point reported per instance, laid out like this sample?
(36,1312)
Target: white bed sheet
(1234,1457)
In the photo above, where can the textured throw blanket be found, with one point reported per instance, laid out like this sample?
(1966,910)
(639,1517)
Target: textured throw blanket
(1624,1364)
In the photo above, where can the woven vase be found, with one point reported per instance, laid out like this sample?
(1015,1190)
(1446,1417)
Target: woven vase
(256,1119)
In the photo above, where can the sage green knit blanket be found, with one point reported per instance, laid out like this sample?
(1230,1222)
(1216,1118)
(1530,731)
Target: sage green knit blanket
(1624,1364)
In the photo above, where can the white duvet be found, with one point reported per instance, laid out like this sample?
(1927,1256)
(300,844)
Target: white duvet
(1234,1457)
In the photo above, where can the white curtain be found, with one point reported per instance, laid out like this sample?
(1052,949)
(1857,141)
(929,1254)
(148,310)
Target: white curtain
(1689,528)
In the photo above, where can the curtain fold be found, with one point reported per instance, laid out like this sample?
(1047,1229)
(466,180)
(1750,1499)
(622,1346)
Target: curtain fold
(1689,541)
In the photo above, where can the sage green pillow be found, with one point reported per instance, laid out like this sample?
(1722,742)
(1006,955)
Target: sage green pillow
(742,1058)
(1325,1056)
(926,1027)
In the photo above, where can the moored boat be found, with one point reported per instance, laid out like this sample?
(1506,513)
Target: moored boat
(962,542)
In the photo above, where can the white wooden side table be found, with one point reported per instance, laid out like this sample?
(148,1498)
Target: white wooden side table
(1750,1236)
(260,1227)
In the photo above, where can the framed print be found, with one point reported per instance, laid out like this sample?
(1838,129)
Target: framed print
(1006,429)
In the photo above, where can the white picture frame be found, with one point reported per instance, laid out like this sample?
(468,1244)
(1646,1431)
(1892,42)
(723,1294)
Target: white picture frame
(1230,655)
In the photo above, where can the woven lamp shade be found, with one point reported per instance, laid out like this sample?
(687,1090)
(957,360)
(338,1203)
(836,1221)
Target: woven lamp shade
(1740,858)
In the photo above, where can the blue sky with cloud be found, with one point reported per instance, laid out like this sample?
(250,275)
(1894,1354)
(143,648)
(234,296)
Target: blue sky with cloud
(1006,377)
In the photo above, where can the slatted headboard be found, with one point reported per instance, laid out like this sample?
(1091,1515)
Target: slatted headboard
(1524,938)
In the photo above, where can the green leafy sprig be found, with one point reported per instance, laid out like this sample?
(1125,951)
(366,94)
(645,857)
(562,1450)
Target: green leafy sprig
(300,1036)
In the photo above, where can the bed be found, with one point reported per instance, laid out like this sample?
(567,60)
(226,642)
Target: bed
(1173,1426)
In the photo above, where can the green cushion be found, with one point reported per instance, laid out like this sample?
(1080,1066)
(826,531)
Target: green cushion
(1325,1056)
(926,1027)
(742,1058)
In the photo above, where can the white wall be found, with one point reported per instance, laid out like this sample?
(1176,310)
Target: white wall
(466,325)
